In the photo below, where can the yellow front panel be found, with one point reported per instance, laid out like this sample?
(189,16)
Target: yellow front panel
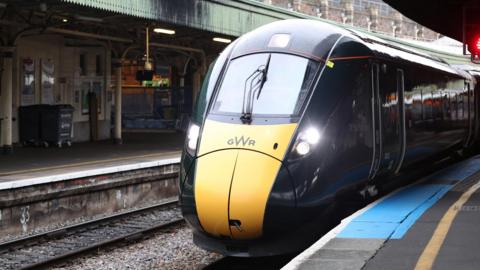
(254,176)
(222,163)
(212,186)
(218,135)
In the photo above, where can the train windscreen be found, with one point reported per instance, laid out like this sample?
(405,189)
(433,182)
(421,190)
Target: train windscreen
(266,84)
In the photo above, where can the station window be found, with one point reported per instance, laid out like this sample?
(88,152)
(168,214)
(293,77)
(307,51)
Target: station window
(99,65)
(83,64)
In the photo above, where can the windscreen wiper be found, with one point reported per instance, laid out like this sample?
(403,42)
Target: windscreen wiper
(253,82)
(263,79)
(257,80)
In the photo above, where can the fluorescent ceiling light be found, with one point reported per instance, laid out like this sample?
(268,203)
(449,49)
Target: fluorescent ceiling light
(88,18)
(222,40)
(164,31)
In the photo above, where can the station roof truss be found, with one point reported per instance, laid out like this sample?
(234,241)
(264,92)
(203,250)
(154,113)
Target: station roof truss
(227,17)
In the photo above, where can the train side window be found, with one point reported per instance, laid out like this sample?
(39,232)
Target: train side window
(437,105)
(471,102)
(465,105)
(446,106)
(427,104)
(453,99)
(417,111)
(460,106)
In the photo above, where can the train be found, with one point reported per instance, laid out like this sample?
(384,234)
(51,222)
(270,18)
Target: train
(298,114)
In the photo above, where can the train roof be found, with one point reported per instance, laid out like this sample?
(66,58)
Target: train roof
(383,48)
(315,38)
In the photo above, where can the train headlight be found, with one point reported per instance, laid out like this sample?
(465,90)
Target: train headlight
(306,140)
(311,135)
(192,138)
(302,148)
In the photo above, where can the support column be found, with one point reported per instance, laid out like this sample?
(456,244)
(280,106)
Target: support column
(7,90)
(117,136)
(372,19)
(297,5)
(418,29)
(196,83)
(397,25)
(323,9)
(347,13)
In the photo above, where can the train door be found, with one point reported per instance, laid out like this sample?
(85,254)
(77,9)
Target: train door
(476,103)
(376,122)
(391,125)
(402,121)
(471,114)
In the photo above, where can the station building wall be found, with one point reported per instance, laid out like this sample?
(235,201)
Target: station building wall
(77,69)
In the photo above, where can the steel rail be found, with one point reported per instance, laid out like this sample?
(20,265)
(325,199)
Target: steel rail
(92,225)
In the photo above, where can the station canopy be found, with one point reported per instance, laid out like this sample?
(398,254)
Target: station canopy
(196,22)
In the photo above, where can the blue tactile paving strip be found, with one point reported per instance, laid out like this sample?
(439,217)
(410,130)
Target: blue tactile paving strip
(392,217)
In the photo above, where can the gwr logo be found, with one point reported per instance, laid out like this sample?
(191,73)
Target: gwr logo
(241,141)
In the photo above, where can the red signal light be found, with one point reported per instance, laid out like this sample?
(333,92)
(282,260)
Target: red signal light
(474,45)
(474,48)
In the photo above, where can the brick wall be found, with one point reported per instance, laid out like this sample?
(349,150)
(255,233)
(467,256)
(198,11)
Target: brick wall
(373,15)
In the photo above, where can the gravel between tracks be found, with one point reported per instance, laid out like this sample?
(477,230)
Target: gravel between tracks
(54,226)
(163,250)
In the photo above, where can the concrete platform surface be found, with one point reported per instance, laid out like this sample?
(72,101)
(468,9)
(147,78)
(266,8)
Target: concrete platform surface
(43,188)
(432,224)
(30,165)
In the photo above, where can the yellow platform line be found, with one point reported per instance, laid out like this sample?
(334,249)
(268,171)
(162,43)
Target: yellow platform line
(93,162)
(430,253)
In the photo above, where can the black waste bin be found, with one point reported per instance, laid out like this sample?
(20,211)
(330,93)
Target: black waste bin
(29,123)
(56,125)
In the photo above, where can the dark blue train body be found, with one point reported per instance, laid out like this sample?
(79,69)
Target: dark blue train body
(298,114)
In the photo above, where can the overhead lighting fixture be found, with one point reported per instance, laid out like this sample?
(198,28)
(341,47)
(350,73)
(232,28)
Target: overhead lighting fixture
(88,18)
(64,20)
(164,31)
(43,7)
(222,40)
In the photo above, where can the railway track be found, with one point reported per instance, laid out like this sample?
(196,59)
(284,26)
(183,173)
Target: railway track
(50,247)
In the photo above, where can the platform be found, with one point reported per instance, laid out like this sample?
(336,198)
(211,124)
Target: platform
(47,187)
(432,224)
(30,165)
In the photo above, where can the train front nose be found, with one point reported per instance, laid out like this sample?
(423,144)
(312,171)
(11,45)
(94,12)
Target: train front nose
(232,188)
(237,166)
